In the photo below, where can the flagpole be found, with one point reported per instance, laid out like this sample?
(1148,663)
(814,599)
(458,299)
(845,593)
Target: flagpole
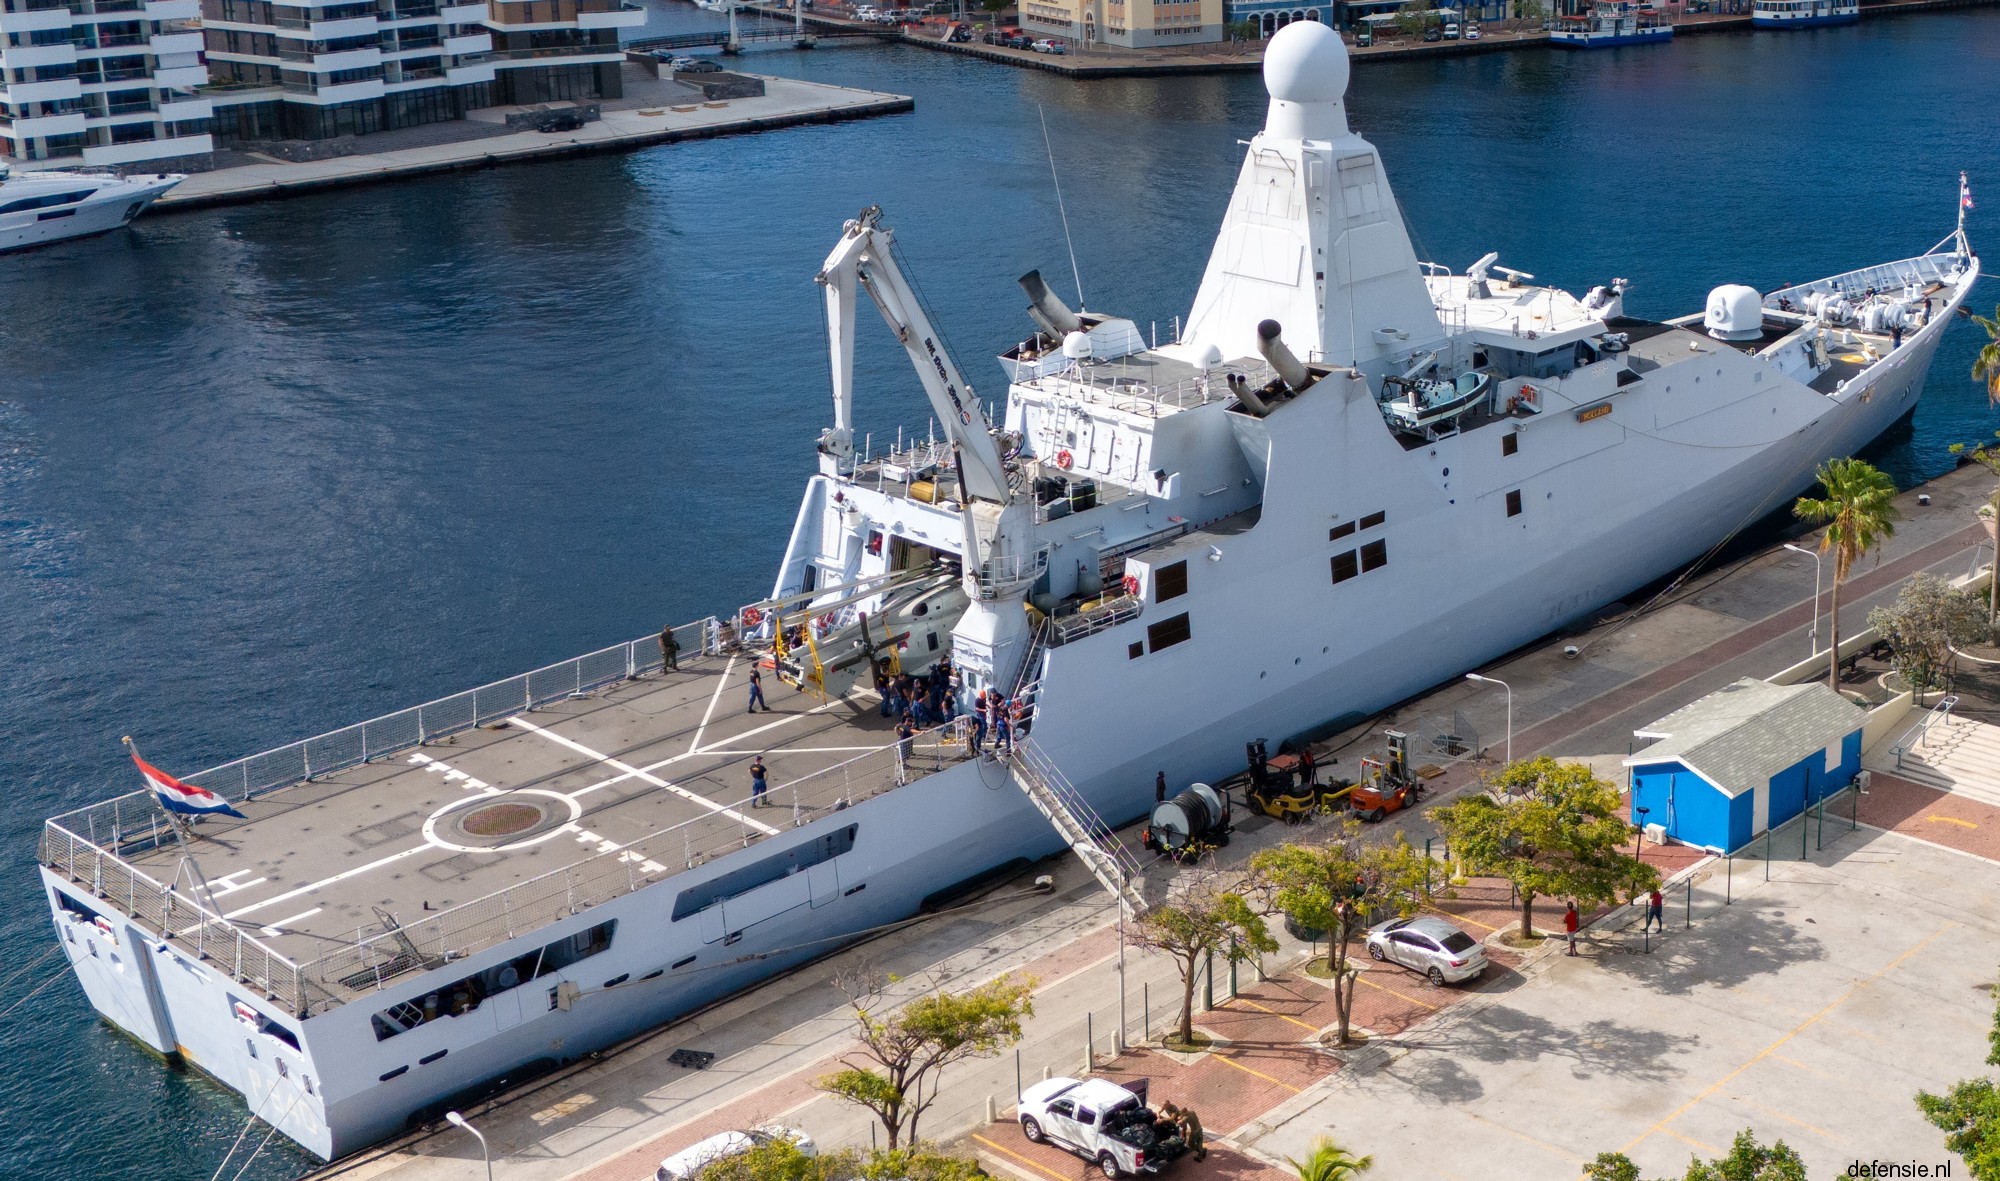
(183,833)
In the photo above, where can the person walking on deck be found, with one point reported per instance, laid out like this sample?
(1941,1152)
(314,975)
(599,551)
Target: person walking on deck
(758,784)
(670,650)
(757,693)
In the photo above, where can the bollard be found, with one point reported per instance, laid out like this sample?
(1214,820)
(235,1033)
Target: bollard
(1046,1075)
(1018,1088)
(992,1112)
(1208,983)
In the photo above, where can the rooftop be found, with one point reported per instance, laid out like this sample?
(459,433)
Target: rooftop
(1742,734)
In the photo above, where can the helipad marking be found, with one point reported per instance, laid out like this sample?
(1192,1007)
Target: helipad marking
(278,928)
(721,683)
(357,871)
(655,780)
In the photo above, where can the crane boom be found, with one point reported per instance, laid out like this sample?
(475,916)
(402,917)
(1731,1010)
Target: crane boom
(863,257)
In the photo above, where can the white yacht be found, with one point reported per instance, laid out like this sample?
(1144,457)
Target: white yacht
(1609,23)
(37,208)
(1352,477)
(1804,14)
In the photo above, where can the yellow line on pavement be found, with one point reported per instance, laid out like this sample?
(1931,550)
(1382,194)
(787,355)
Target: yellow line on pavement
(1544,1145)
(1796,1030)
(1952,820)
(1273,1012)
(1226,1061)
(1705,1147)
(1798,1065)
(1392,992)
(1463,919)
(1008,1152)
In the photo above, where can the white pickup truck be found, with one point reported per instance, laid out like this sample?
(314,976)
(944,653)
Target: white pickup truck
(1102,1122)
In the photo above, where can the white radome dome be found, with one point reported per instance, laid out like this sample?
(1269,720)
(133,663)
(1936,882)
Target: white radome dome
(1305,62)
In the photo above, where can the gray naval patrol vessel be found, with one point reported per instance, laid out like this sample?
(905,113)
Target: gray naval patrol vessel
(1353,476)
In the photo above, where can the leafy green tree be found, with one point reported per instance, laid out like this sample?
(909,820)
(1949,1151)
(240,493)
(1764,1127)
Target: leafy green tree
(1927,620)
(1203,918)
(779,1159)
(1747,1161)
(1986,455)
(909,1049)
(1335,887)
(1330,1162)
(1986,366)
(1412,19)
(1548,828)
(1969,1114)
(1858,510)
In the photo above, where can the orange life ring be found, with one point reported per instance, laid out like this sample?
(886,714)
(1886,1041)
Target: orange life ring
(1528,394)
(1064,459)
(752,617)
(1131,586)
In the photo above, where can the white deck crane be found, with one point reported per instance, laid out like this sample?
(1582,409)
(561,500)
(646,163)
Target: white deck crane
(1002,559)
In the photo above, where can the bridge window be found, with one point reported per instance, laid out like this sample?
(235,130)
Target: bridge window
(1170,582)
(464,995)
(1345,567)
(1374,556)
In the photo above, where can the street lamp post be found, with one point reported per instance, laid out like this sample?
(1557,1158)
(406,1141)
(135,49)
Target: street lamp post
(457,1120)
(1815,556)
(1510,707)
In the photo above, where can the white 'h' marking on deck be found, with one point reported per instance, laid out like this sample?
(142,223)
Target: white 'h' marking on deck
(636,773)
(325,882)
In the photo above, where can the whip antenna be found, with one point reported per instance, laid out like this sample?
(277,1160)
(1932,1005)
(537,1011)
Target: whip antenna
(1060,207)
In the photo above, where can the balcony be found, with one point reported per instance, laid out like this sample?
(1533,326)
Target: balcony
(178,108)
(52,90)
(469,73)
(39,21)
(69,123)
(181,77)
(344,92)
(40,55)
(626,16)
(163,44)
(172,10)
(463,14)
(473,43)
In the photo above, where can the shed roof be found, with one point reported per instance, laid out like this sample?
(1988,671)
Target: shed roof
(1742,734)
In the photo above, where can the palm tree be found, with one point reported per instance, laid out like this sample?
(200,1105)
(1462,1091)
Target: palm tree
(1859,509)
(1330,1162)
(1986,366)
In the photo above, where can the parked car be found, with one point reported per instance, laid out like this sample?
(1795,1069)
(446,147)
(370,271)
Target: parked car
(1472,32)
(689,1161)
(960,33)
(1451,30)
(1048,45)
(1100,1121)
(697,65)
(1433,34)
(1428,946)
(1365,35)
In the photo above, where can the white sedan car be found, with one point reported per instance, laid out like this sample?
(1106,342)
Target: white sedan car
(1429,946)
(688,1163)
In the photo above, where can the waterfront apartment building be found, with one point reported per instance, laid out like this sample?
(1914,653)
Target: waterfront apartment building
(311,69)
(1128,24)
(110,81)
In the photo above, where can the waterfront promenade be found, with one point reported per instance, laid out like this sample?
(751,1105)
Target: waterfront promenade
(1627,1044)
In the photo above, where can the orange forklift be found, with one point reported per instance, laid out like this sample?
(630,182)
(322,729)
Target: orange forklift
(1386,787)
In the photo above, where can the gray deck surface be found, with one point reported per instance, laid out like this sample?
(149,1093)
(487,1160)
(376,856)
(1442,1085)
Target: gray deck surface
(314,861)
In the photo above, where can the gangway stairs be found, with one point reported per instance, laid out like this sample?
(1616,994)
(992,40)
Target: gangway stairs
(1065,808)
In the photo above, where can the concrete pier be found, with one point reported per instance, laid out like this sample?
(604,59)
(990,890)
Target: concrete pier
(785,103)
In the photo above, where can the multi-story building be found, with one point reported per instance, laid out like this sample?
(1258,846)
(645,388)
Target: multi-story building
(111,81)
(1128,24)
(311,69)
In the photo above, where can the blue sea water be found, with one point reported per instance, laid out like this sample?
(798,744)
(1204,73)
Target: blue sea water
(271,469)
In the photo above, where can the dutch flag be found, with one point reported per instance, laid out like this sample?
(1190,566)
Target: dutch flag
(1964,192)
(185,798)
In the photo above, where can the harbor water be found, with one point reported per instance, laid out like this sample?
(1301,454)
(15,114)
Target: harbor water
(270,469)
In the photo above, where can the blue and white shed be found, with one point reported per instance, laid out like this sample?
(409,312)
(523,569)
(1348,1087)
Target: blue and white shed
(1743,759)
